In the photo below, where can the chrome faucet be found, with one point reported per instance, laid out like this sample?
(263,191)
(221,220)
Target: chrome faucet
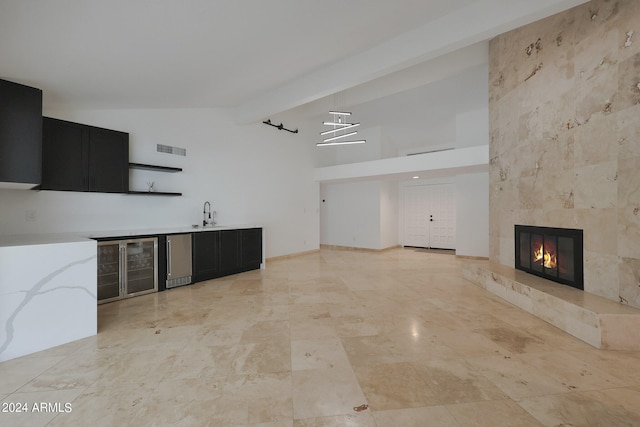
(206,219)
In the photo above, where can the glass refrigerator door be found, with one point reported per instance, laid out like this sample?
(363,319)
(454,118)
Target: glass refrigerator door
(141,266)
(108,271)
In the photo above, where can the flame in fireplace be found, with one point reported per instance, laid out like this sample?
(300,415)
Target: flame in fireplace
(548,259)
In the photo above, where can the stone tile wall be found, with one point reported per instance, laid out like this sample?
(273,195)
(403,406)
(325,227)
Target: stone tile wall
(564,112)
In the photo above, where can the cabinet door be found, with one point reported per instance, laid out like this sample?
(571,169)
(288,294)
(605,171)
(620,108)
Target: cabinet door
(108,161)
(109,271)
(206,255)
(20,133)
(230,260)
(251,248)
(65,153)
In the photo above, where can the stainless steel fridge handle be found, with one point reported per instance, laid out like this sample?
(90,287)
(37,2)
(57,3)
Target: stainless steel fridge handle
(168,258)
(123,268)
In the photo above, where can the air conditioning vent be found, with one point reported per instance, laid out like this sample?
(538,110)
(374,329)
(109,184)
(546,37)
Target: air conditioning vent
(172,150)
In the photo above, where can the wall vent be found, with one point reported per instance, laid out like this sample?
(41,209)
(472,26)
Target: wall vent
(172,150)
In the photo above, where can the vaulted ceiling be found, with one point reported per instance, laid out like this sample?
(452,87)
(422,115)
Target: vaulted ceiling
(257,58)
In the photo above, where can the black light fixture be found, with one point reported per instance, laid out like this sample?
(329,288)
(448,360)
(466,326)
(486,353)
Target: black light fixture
(279,127)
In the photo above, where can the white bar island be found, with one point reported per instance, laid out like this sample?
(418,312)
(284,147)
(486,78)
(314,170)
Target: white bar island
(47,292)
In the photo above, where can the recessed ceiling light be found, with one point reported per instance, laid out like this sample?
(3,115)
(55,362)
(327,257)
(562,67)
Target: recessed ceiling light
(416,177)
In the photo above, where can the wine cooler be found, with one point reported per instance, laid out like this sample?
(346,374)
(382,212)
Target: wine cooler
(127,268)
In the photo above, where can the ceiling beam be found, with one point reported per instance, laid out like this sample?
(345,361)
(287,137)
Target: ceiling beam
(483,20)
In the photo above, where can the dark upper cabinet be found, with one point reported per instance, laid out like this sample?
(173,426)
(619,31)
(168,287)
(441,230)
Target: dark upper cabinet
(65,156)
(20,135)
(108,161)
(77,157)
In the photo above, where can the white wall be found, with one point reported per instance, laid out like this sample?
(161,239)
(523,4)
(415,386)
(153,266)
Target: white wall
(472,214)
(389,214)
(472,190)
(350,214)
(250,174)
(472,128)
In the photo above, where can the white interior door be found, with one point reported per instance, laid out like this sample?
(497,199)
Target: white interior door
(430,216)
(442,216)
(416,214)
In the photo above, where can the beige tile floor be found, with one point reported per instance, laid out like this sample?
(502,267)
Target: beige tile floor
(310,338)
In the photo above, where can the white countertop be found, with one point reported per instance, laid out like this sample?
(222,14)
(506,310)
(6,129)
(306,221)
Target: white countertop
(81,236)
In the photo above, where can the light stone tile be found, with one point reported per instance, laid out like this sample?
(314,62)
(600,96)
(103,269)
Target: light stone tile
(268,397)
(265,356)
(618,364)
(601,274)
(494,413)
(456,381)
(572,372)
(614,407)
(312,329)
(517,378)
(628,131)
(435,416)
(325,392)
(362,419)
(213,336)
(628,91)
(394,386)
(17,372)
(118,405)
(76,372)
(317,354)
(629,274)
(372,350)
(596,186)
(202,362)
(598,142)
(628,218)
(265,330)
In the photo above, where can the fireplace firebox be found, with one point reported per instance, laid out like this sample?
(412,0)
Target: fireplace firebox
(552,253)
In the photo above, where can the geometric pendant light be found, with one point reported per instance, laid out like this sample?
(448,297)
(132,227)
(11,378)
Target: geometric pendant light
(339,129)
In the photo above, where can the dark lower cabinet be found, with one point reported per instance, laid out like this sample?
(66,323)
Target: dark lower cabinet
(206,255)
(230,251)
(225,252)
(251,248)
(77,157)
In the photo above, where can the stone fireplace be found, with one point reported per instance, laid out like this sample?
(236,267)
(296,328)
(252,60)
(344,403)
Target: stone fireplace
(564,102)
(551,253)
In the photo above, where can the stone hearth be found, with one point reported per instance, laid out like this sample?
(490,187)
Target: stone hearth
(596,320)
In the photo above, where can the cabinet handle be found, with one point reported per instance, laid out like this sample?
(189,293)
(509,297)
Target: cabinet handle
(168,258)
